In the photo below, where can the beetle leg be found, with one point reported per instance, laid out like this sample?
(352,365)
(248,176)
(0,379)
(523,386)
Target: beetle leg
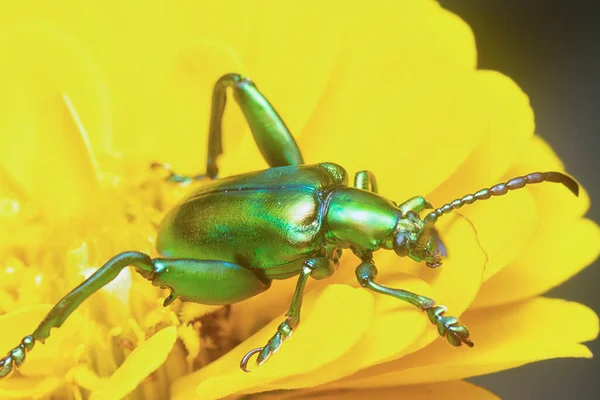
(318,268)
(365,180)
(71,301)
(271,135)
(455,333)
(206,281)
(175,177)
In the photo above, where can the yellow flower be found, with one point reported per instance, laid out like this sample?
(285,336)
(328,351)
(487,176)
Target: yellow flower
(93,92)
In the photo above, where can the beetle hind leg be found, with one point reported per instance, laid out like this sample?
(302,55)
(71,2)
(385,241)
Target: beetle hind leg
(273,138)
(61,311)
(448,327)
(203,281)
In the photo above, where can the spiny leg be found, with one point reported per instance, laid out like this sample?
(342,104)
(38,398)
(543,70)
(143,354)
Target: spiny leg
(318,268)
(205,281)
(271,135)
(70,302)
(455,333)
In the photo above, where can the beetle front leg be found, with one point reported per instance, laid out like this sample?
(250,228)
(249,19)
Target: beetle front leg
(318,268)
(455,333)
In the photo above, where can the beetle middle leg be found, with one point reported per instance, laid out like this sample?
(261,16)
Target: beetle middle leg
(455,333)
(318,268)
(271,135)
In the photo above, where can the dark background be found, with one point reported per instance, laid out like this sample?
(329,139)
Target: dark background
(552,50)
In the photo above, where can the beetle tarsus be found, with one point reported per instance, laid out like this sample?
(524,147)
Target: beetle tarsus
(456,333)
(16,357)
(284,331)
(178,178)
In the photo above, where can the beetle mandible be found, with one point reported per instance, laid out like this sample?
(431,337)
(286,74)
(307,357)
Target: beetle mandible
(209,261)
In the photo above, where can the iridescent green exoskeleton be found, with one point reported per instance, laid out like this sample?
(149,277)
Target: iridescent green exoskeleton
(231,237)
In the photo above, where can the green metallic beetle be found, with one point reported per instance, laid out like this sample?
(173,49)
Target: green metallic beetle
(230,238)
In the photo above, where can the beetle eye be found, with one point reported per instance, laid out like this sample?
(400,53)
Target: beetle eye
(401,244)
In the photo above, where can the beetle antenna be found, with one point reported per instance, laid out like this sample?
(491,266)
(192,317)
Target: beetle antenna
(496,190)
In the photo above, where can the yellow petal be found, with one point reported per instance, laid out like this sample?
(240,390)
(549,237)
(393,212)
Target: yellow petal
(558,251)
(170,55)
(142,361)
(20,387)
(333,320)
(80,32)
(44,132)
(504,227)
(455,390)
(85,377)
(505,337)
(508,127)
(378,108)
(184,92)
(284,66)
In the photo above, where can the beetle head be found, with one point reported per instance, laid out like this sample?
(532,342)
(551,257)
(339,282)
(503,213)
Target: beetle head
(405,239)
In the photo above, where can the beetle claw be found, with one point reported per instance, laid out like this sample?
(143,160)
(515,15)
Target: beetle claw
(284,331)
(246,358)
(175,177)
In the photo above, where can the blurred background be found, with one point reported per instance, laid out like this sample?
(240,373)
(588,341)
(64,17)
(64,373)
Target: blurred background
(551,49)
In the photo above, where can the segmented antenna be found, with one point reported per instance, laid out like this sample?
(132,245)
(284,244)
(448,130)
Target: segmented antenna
(496,190)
